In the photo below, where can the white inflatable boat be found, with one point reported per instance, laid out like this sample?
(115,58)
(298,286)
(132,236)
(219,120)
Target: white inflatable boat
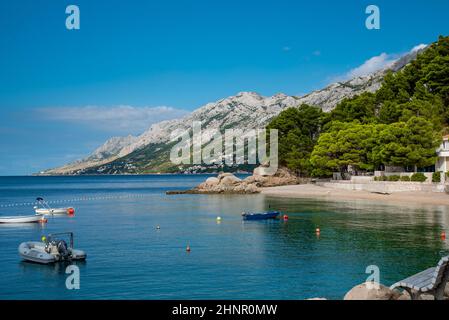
(46,209)
(23,219)
(51,250)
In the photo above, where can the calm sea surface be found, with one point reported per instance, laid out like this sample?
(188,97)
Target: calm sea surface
(128,258)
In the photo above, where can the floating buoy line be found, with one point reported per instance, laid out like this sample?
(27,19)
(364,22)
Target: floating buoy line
(80,199)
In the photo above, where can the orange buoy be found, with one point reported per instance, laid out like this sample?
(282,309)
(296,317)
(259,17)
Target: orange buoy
(443,235)
(285,217)
(70,211)
(43,220)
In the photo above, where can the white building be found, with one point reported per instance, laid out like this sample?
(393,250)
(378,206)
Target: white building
(442,164)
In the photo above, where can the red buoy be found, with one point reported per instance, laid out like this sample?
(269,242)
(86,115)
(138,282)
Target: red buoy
(285,217)
(443,235)
(317,230)
(70,211)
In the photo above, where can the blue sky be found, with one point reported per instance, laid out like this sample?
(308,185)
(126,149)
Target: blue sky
(62,93)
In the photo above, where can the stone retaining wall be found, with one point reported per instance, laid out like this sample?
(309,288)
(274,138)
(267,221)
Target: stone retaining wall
(385,186)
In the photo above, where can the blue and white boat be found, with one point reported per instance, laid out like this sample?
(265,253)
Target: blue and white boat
(260,216)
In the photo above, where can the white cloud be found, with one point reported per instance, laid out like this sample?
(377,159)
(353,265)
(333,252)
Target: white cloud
(119,119)
(374,64)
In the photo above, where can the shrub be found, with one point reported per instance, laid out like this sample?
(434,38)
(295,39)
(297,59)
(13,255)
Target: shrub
(418,177)
(436,177)
(394,178)
(405,178)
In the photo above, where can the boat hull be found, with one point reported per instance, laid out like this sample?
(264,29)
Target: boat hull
(22,219)
(261,216)
(58,211)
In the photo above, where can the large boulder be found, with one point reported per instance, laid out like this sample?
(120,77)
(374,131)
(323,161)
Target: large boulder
(282,177)
(251,188)
(229,180)
(261,171)
(370,291)
(225,174)
(212,181)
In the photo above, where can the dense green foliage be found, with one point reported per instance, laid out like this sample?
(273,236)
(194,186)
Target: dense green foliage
(299,129)
(418,177)
(399,125)
(436,177)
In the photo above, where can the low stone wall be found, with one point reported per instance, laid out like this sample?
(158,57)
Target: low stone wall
(385,186)
(405,174)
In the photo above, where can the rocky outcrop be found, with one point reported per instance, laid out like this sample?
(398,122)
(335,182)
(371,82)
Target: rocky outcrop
(228,183)
(282,177)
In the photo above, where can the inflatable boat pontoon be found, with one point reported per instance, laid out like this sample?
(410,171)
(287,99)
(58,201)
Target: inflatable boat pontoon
(52,249)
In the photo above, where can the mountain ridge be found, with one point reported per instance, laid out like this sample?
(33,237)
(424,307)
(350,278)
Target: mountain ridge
(248,110)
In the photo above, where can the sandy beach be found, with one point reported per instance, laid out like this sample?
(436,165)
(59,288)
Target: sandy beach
(331,194)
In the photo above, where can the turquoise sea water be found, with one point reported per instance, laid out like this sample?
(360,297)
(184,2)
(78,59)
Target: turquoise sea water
(128,258)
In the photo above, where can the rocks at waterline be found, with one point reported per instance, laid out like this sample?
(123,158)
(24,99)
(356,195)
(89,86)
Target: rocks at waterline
(282,177)
(366,291)
(371,291)
(227,183)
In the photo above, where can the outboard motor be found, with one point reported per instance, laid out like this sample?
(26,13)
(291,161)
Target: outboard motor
(62,249)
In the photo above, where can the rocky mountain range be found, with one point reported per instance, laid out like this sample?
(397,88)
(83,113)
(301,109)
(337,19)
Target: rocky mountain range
(149,152)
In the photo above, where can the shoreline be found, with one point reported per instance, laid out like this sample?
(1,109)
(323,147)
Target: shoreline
(310,191)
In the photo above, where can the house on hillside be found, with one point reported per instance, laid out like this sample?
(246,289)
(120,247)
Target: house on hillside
(442,164)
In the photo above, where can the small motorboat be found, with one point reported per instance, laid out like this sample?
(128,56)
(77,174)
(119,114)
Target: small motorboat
(44,208)
(260,216)
(24,219)
(52,249)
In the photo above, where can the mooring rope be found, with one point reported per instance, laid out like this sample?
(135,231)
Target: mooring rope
(35,203)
